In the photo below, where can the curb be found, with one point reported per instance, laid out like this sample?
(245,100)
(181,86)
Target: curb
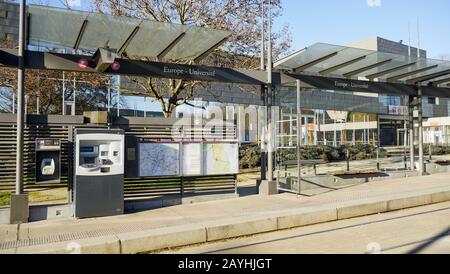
(175,237)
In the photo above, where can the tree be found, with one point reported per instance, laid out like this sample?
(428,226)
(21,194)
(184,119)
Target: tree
(46,85)
(242,17)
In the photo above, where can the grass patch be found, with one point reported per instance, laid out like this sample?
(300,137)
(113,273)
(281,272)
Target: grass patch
(5,198)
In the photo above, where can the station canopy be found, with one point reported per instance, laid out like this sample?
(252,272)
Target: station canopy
(133,37)
(360,64)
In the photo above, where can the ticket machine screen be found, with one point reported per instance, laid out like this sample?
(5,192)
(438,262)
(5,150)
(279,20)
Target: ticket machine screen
(99,156)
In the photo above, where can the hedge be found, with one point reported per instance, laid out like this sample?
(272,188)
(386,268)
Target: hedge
(249,155)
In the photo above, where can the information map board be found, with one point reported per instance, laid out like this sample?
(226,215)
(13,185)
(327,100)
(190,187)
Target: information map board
(159,159)
(220,158)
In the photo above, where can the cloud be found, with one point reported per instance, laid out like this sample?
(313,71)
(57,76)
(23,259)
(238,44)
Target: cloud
(74,3)
(374,3)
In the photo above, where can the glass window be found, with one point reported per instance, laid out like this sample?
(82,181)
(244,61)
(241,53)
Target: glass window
(390,100)
(433,101)
(3,14)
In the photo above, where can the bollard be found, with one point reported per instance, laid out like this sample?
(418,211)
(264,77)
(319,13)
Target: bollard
(430,152)
(378,158)
(347,155)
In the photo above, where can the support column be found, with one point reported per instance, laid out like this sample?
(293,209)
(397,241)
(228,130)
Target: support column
(420,121)
(411,133)
(378,142)
(19,212)
(270,148)
(264,153)
(270,95)
(315,127)
(63,93)
(334,134)
(299,136)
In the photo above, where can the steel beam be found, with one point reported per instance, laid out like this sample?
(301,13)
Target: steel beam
(127,42)
(289,57)
(327,71)
(439,82)
(207,52)
(80,34)
(71,62)
(388,71)
(315,62)
(363,69)
(403,75)
(429,77)
(164,52)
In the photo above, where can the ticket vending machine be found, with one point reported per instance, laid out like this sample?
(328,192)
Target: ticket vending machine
(98,173)
(48,161)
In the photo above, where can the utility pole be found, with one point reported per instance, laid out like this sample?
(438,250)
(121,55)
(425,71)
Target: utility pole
(19,200)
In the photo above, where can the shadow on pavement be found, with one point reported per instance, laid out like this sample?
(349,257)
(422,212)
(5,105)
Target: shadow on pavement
(247,190)
(430,242)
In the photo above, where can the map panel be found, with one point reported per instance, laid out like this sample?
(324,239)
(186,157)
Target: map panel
(159,159)
(220,158)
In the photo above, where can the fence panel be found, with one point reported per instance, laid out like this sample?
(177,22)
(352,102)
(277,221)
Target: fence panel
(135,188)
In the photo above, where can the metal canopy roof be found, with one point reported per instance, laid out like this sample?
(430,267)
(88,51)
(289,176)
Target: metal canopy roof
(69,29)
(354,63)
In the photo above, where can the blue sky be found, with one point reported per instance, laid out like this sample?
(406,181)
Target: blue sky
(344,21)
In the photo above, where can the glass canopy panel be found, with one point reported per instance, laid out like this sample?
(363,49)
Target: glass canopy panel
(50,27)
(441,78)
(196,42)
(307,55)
(397,61)
(144,43)
(445,66)
(420,64)
(345,55)
(106,30)
(59,28)
(375,58)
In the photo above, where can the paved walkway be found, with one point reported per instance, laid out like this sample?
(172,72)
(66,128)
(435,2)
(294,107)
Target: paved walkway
(423,229)
(69,229)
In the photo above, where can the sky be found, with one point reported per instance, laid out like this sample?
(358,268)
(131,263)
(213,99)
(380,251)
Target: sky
(344,21)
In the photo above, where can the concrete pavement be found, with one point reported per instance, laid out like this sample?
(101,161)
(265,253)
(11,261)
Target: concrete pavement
(423,230)
(217,220)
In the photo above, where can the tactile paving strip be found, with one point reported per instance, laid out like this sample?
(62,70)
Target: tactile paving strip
(66,237)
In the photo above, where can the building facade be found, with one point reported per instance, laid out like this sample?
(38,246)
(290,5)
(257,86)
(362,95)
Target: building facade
(9,21)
